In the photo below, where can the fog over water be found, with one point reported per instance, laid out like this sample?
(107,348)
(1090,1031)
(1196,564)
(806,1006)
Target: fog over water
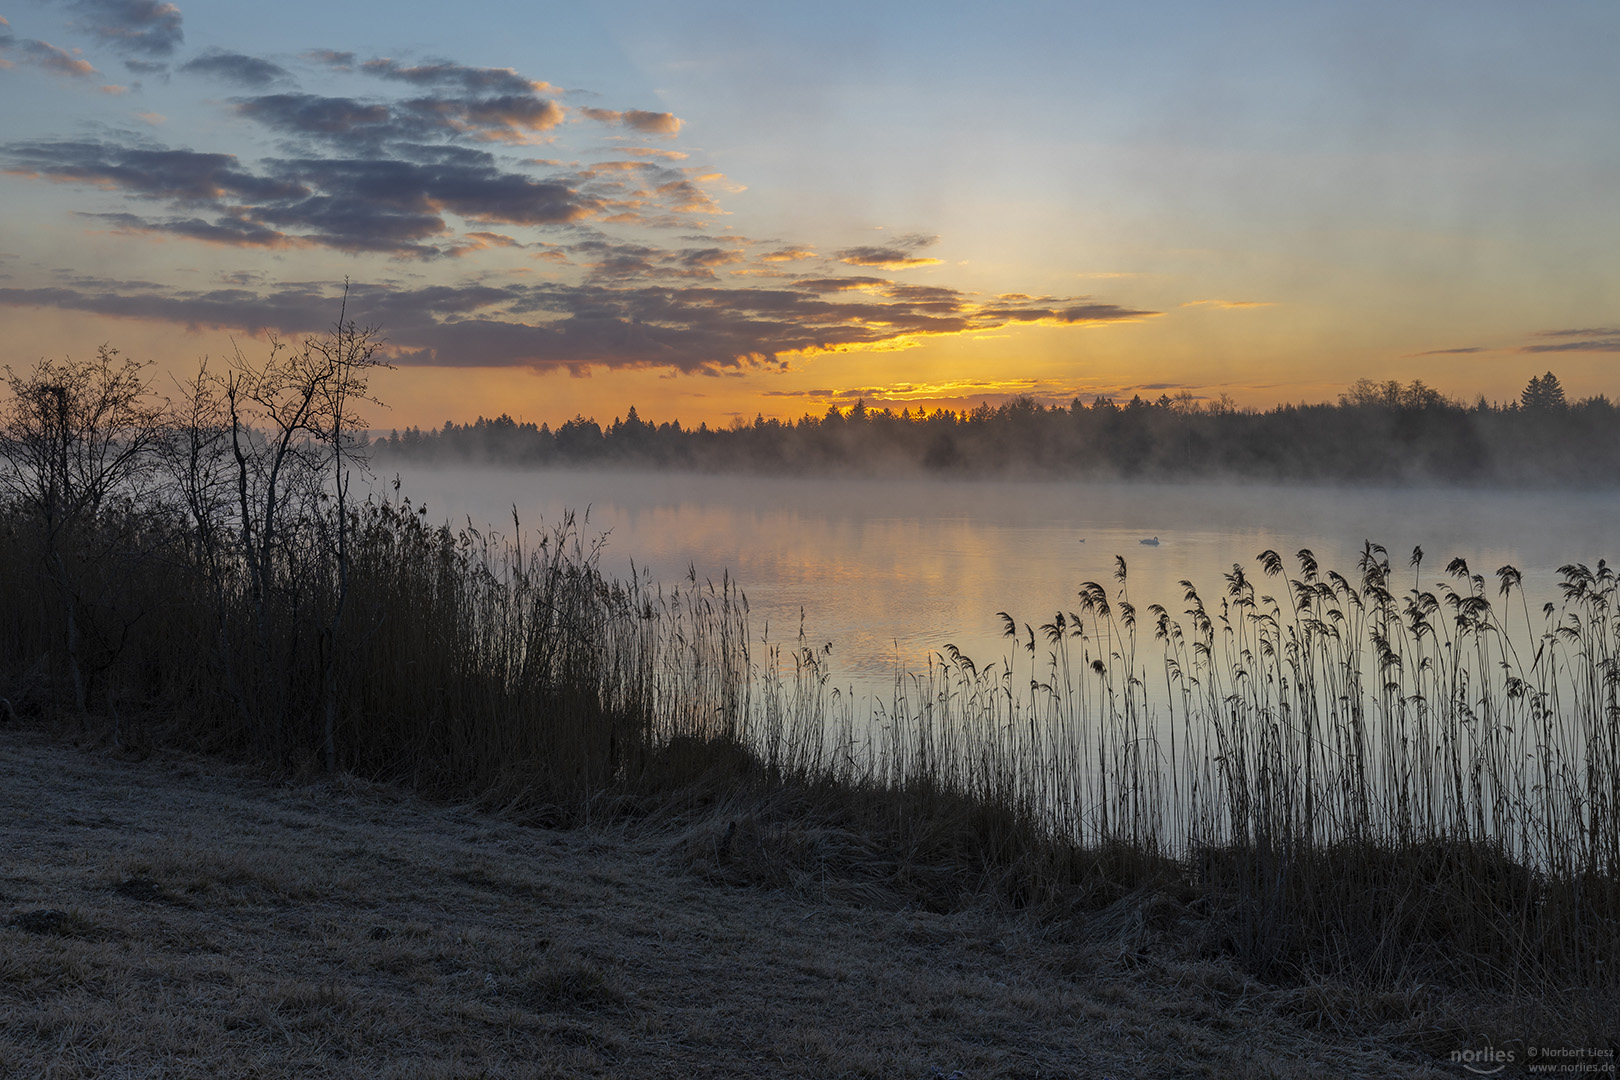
(889,571)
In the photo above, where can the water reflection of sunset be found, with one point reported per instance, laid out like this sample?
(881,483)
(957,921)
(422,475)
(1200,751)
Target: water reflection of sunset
(890,572)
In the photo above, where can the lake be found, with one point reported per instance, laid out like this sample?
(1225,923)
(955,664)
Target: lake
(890,570)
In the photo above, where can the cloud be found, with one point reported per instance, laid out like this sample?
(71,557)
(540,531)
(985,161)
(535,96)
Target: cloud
(788,254)
(645,192)
(1590,339)
(895,256)
(57,61)
(499,119)
(508,118)
(312,114)
(351,204)
(473,80)
(181,176)
(332,58)
(648,123)
(1590,332)
(1228,304)
(648,151)
(686,327)
(231,232)
(883,258)
(236,67)
(841,284)
(146,27)
(1452,352)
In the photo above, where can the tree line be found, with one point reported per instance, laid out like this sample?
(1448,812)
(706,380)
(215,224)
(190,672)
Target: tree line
(1376,431)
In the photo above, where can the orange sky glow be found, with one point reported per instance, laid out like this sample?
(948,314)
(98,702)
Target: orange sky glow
(713,219)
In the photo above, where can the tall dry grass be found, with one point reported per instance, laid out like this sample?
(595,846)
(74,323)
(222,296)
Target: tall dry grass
(1348,775)
(1398,782)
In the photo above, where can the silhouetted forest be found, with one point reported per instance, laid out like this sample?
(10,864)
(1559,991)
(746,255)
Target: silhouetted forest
(1377,431)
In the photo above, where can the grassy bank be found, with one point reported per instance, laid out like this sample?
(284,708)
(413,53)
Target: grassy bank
(180,916)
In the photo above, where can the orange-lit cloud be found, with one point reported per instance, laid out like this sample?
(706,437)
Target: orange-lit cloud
(883,258)
(43,54)
(1229,304)
(648,123)
(899,255)
(968,394)
(649,151)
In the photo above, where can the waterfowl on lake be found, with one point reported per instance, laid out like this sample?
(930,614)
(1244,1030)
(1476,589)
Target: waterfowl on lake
(1150,543)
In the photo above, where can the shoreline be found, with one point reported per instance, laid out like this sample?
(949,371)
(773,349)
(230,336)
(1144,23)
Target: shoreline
(185,916)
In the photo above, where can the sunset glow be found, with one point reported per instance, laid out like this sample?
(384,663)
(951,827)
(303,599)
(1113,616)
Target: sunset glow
(712,213)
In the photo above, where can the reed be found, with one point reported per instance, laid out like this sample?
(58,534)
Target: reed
(1395,782)
(1351,777)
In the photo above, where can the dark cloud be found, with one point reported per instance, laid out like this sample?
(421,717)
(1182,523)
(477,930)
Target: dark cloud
(549,325)
(898,256)
(606,259)
(1589,332)
(146,27)
(182,176)
(498,119)
(1450,352)
(499,102)
(708,258)
(353,204)
(1590,339)
(233,232)
(507,118)
(478,193)
(498,81)
(312,114)
(146,67)
(236,67)
(1587,345)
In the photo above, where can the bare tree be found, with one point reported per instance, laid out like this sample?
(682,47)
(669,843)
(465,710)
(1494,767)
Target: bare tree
(76,434)
(286,427)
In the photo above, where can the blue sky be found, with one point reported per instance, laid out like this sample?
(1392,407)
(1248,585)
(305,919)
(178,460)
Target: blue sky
(712,210)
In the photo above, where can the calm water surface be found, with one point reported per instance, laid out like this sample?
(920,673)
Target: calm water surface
(891,570)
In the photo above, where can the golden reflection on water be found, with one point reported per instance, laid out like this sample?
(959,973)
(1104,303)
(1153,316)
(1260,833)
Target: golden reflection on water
(889,571)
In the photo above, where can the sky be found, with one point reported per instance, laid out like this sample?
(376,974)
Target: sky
(712,211)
